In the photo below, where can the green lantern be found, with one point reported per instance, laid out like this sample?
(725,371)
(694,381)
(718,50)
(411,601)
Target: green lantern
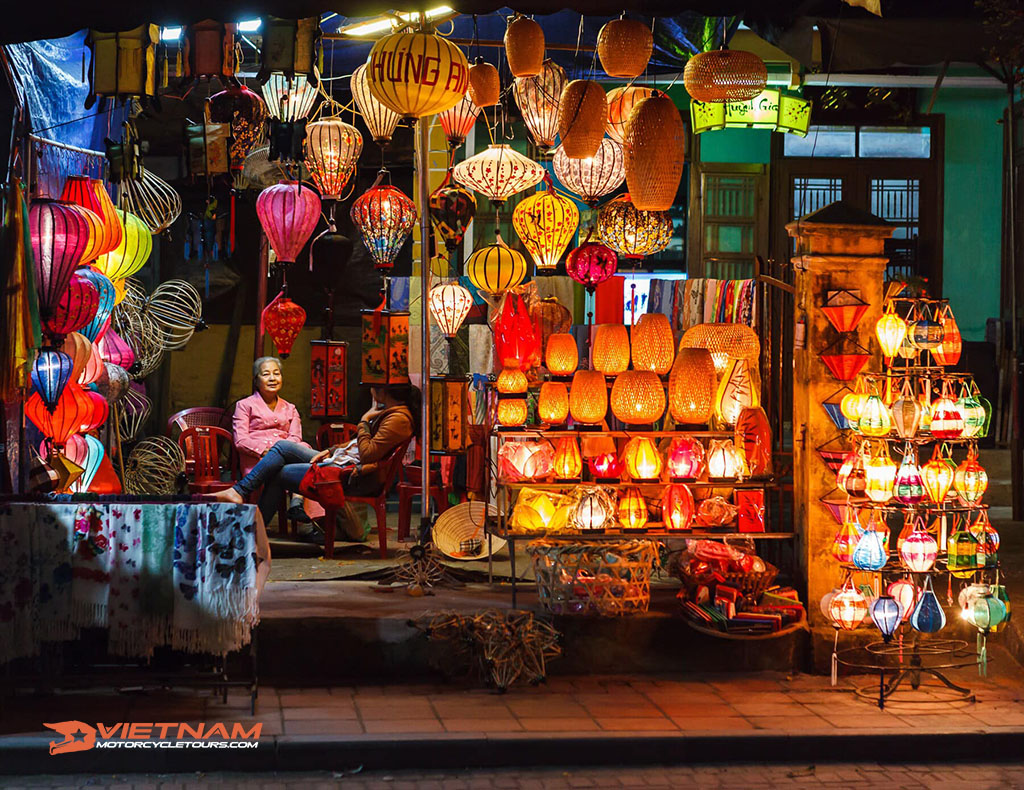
(974,416)
(962,554)
(874,418)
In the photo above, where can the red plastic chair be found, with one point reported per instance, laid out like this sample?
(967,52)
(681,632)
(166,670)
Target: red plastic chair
(200,415)
(208,443)
(410,486)
(334,433)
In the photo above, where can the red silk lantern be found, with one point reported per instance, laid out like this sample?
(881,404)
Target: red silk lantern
(677,507)
(283,320)
(60,236)
(385,217)
(288,213)
(89,193)
(75,309)
(73,409)
(948,351)
(97,414)
(457,121)
(606,466)
(591,264)
(686,458)
(514,337)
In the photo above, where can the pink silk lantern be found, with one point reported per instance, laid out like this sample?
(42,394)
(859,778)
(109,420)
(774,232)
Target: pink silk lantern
(93,368)
(591,264)
(75,309)
(283,320)
(115,350)
(60,237)
(288,213)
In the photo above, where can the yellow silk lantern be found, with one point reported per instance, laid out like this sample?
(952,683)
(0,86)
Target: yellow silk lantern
(638,397)
(553,403)
(546,222)
(131,253)
(851,406)
(879,477)
(970,480)
(568,464)
(562,355)
(937,476)
(496,267)
(890,331)
(736,392)
(417,74)
(632,509)
(642,459)
(610,352)
(588,397)
(874,418)
(653,344)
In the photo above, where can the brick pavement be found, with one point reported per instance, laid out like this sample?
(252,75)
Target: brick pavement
(755,777)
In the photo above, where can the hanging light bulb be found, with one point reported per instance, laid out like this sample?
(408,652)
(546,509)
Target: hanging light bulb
(385,217)
(537,98)
(379,119)
(449,304)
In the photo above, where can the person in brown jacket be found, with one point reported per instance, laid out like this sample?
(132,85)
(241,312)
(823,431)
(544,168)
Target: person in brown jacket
(393,419)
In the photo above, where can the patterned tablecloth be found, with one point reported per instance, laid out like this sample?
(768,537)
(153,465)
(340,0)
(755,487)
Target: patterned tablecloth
(184,574)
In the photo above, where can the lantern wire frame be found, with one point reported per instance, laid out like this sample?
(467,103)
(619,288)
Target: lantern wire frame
(154,466)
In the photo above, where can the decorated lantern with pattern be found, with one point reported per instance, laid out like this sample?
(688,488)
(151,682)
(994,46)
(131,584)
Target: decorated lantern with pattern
(385,347)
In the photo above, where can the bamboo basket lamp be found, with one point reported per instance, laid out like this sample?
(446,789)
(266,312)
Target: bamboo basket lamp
(638,397)
(153,467)
(582,114)
(621,102)
(484,85)
(724,341)
(562,355)
(654,345)
(624,47)
(553,403)
(588,397)
(725,75)
(654,153)
(692,387)
(524,47)
(610,352)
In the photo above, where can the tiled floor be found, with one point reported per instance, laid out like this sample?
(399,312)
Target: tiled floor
(711,704)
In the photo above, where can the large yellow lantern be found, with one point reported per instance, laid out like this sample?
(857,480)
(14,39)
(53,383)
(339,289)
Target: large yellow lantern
(498,173)
(736,392)
(496,267)
(417,74)
(380,119)
(638,397)
(568,463)
(553,403)
(642,459)
(880,477)
(653,345)
(131,253)
(588,397)
(332,150)
(890,331)
(632,510)
(546,222)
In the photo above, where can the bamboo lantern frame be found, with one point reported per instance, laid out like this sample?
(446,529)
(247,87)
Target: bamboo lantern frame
(653,344)
(524,46)
(588,397)
(638,397)
(624,47)
(654,153)
(692,386)
(609,353)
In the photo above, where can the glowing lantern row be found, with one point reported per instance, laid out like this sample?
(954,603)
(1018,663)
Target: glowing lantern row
(332,150)
(380,119)
(654,153)
(399,77)
(59,237)
(498,173)
(452,208)
(458,120)
(283,319)
(89,193)
(288,213)
(591,264)
(638,397)
(537,97)
(653,345)
(582,114)
(588,397)
(561,355)
(289,98)
(385,217)
(592,177)
(496,267)
(449,304)
(610,351)
(546,222)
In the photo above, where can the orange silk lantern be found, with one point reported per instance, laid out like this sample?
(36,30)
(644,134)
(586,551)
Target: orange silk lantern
(642,459)
(677,507)
(937,476)
(73,409)
(568,463)
(948,351)
(632,510)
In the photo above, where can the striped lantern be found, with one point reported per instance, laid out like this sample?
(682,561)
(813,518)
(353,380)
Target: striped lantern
(133,251)
(621,102)
(524,46)
(90,193)
(588,397)
(538,98)
(632,510)
(288,213)
(496,267)
(385,217)
(498,173)
(449,304)
(654,153)
(332,151)
(593,177)
(484,84)
(582,113)
(918,551)
(106,291)
(848,608)
(458,120)
(401,79)
(289,99)
(948,351)
(624,47)
(633,232)
(72,410)
(380,119)
(59,236)
(653,345)
(638,397)
(546,222)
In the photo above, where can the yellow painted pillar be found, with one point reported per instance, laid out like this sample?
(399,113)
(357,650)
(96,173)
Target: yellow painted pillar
(838,247)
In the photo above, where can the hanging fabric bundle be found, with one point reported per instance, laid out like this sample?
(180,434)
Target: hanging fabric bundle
(123,65)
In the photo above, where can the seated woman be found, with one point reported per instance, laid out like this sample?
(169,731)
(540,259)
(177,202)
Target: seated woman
(264,419)
(393,419)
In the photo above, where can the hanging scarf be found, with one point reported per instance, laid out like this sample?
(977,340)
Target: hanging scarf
(91,561)
(21,334)
(140,582)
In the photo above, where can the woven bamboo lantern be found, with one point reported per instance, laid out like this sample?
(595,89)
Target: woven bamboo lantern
(621,102)
(553,403)
(568,463)
(594,177)
(638,397)
(496,267)
(631,232)
(725,75)
(624,47)
(642,459)
(653,343)
(512,386)
(546,222)
(588,397)
(537,98)
(484,85)
(654,153)
(632,510)
(724,341)
(691,387)
(582,113)
(610,352)
(562,355)
(524,47)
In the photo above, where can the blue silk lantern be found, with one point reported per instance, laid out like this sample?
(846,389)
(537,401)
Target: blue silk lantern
(928,617)
(886,615)
(108,294)
(870,553)
(50,374)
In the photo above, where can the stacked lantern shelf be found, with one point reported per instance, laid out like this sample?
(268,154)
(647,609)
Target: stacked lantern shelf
(567,476)
(912,513)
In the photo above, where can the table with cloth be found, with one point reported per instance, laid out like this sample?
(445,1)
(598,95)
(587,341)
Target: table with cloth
(183,573)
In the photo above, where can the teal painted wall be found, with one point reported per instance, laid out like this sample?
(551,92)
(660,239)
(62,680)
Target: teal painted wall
(971,268)
(752,146)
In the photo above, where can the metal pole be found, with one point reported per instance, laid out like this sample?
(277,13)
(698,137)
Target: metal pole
(423,192)
(261,297)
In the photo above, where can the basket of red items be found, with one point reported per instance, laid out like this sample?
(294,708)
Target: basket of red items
(708,563)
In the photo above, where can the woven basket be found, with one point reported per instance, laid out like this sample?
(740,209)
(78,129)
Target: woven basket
(610,351)
(605,579)
(582,114)
(588,397)
(638,397)
(524,47)
(724,341)
(654,153)
(752,584)
(459,533)
(691,387)
(484,85)
(653,344)
(621,102)
(725,75)
(624,47)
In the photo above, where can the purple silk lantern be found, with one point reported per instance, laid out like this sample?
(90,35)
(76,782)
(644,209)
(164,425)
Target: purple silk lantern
(107,293)
(288,213)
(60,236)
(50,374)
(74,309)
(591,264)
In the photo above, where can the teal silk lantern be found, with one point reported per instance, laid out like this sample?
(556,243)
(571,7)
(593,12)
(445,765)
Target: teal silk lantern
(886,615)
(985,612)
(909,486)
(870,554)
(928,617)
(974,416)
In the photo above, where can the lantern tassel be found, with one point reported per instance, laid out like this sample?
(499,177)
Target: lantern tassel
(835,660)
(982,655)
(949,591)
